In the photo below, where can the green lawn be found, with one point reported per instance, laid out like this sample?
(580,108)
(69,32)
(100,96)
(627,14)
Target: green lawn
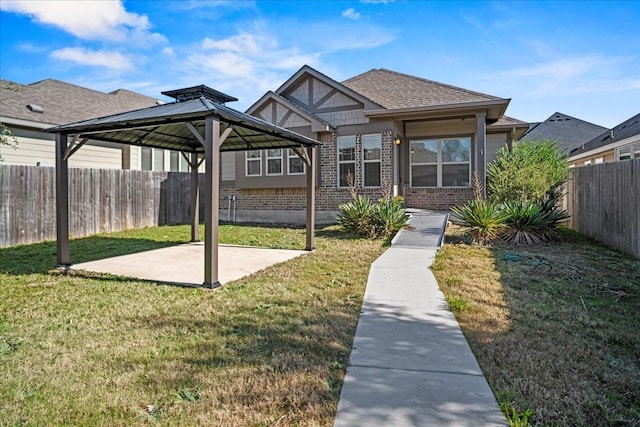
(555,327)
(270,349)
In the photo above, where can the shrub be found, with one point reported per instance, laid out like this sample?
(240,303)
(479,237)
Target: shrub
(380,220)
(530,171)
(389,217)
(532,222)
(356,216)
(485,220)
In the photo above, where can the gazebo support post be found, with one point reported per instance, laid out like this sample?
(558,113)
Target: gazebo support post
(212,202)
(311,198)
(195,198)
(63,258)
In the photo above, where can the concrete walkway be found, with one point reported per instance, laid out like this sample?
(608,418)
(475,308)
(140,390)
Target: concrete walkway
(410,364)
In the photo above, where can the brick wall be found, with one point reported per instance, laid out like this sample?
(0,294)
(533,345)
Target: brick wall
(436,198)
(329,196)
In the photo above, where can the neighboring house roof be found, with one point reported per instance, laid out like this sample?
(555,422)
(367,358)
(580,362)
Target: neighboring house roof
(568,131)
(625,130)
(62,102)
(393,90)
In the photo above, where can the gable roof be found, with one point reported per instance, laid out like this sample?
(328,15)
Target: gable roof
(394,90)
(305,69)
(63,102)
(626,129)
(568,131)
(318,124)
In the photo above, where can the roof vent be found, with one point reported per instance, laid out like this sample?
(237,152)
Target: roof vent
(195,92)
(35,108)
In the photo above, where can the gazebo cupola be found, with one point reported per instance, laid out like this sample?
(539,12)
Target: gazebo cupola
(200,91)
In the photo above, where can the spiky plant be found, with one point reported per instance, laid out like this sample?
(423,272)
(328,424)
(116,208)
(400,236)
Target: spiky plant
(484,220)
(530,222)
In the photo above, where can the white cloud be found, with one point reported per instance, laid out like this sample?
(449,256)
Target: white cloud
(95,58)
(89,20)
(168,51)
(351,14)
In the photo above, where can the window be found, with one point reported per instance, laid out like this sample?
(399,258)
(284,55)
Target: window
(151,159)
(346,159)
(295,165)
(146,158)
(587,163)
(371,159)
(274,161)
(599,160)
(629,152)
(174,161)
(253,159)
(441,162)
(158,159)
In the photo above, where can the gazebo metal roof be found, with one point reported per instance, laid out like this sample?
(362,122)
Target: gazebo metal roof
(197,126)
(164,126)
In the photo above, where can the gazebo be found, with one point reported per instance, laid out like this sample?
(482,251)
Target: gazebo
(198,125)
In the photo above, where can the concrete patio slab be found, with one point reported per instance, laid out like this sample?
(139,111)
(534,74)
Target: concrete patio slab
(183,264)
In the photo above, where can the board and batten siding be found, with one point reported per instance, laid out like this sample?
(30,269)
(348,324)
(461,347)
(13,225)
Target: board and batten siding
(604,203)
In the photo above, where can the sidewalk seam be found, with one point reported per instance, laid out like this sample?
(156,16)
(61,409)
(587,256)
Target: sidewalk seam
(386,368)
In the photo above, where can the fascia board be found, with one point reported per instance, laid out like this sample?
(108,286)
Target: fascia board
(630,140)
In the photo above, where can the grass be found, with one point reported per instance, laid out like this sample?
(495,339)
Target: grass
(269,349)
(554,327)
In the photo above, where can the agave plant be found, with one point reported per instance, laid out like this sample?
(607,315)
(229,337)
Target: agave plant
(356,216)
(389,217)
(485,221)
(530,222)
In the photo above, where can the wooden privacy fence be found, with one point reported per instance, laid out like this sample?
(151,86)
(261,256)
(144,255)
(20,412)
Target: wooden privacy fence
(604,202)
(100,200)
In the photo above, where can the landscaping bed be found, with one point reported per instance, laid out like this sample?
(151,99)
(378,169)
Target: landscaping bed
(554,326)
(269,349)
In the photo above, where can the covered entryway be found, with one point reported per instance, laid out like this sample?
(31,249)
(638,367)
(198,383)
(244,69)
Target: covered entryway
(200,126)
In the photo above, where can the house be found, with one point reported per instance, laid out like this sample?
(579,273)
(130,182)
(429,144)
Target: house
(29,109)
(568,131)
(382,131)
(621,142)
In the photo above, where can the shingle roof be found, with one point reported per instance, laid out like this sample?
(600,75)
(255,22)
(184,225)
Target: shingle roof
(65,102)
(394,90)
(624,130)
(568,131)
(509,121)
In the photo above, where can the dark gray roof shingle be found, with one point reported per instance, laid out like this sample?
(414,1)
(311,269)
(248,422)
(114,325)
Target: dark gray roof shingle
(568,131)
(65,102)
(624,130)
(395,90)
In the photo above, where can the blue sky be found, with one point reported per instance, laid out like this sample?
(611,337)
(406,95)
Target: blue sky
(579,58)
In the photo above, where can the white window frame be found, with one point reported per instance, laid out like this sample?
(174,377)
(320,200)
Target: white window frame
(439,163)
(269,157)
(365,161)
(248,159)
(155,167)
(344,162)
(599,160)
(292,155)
